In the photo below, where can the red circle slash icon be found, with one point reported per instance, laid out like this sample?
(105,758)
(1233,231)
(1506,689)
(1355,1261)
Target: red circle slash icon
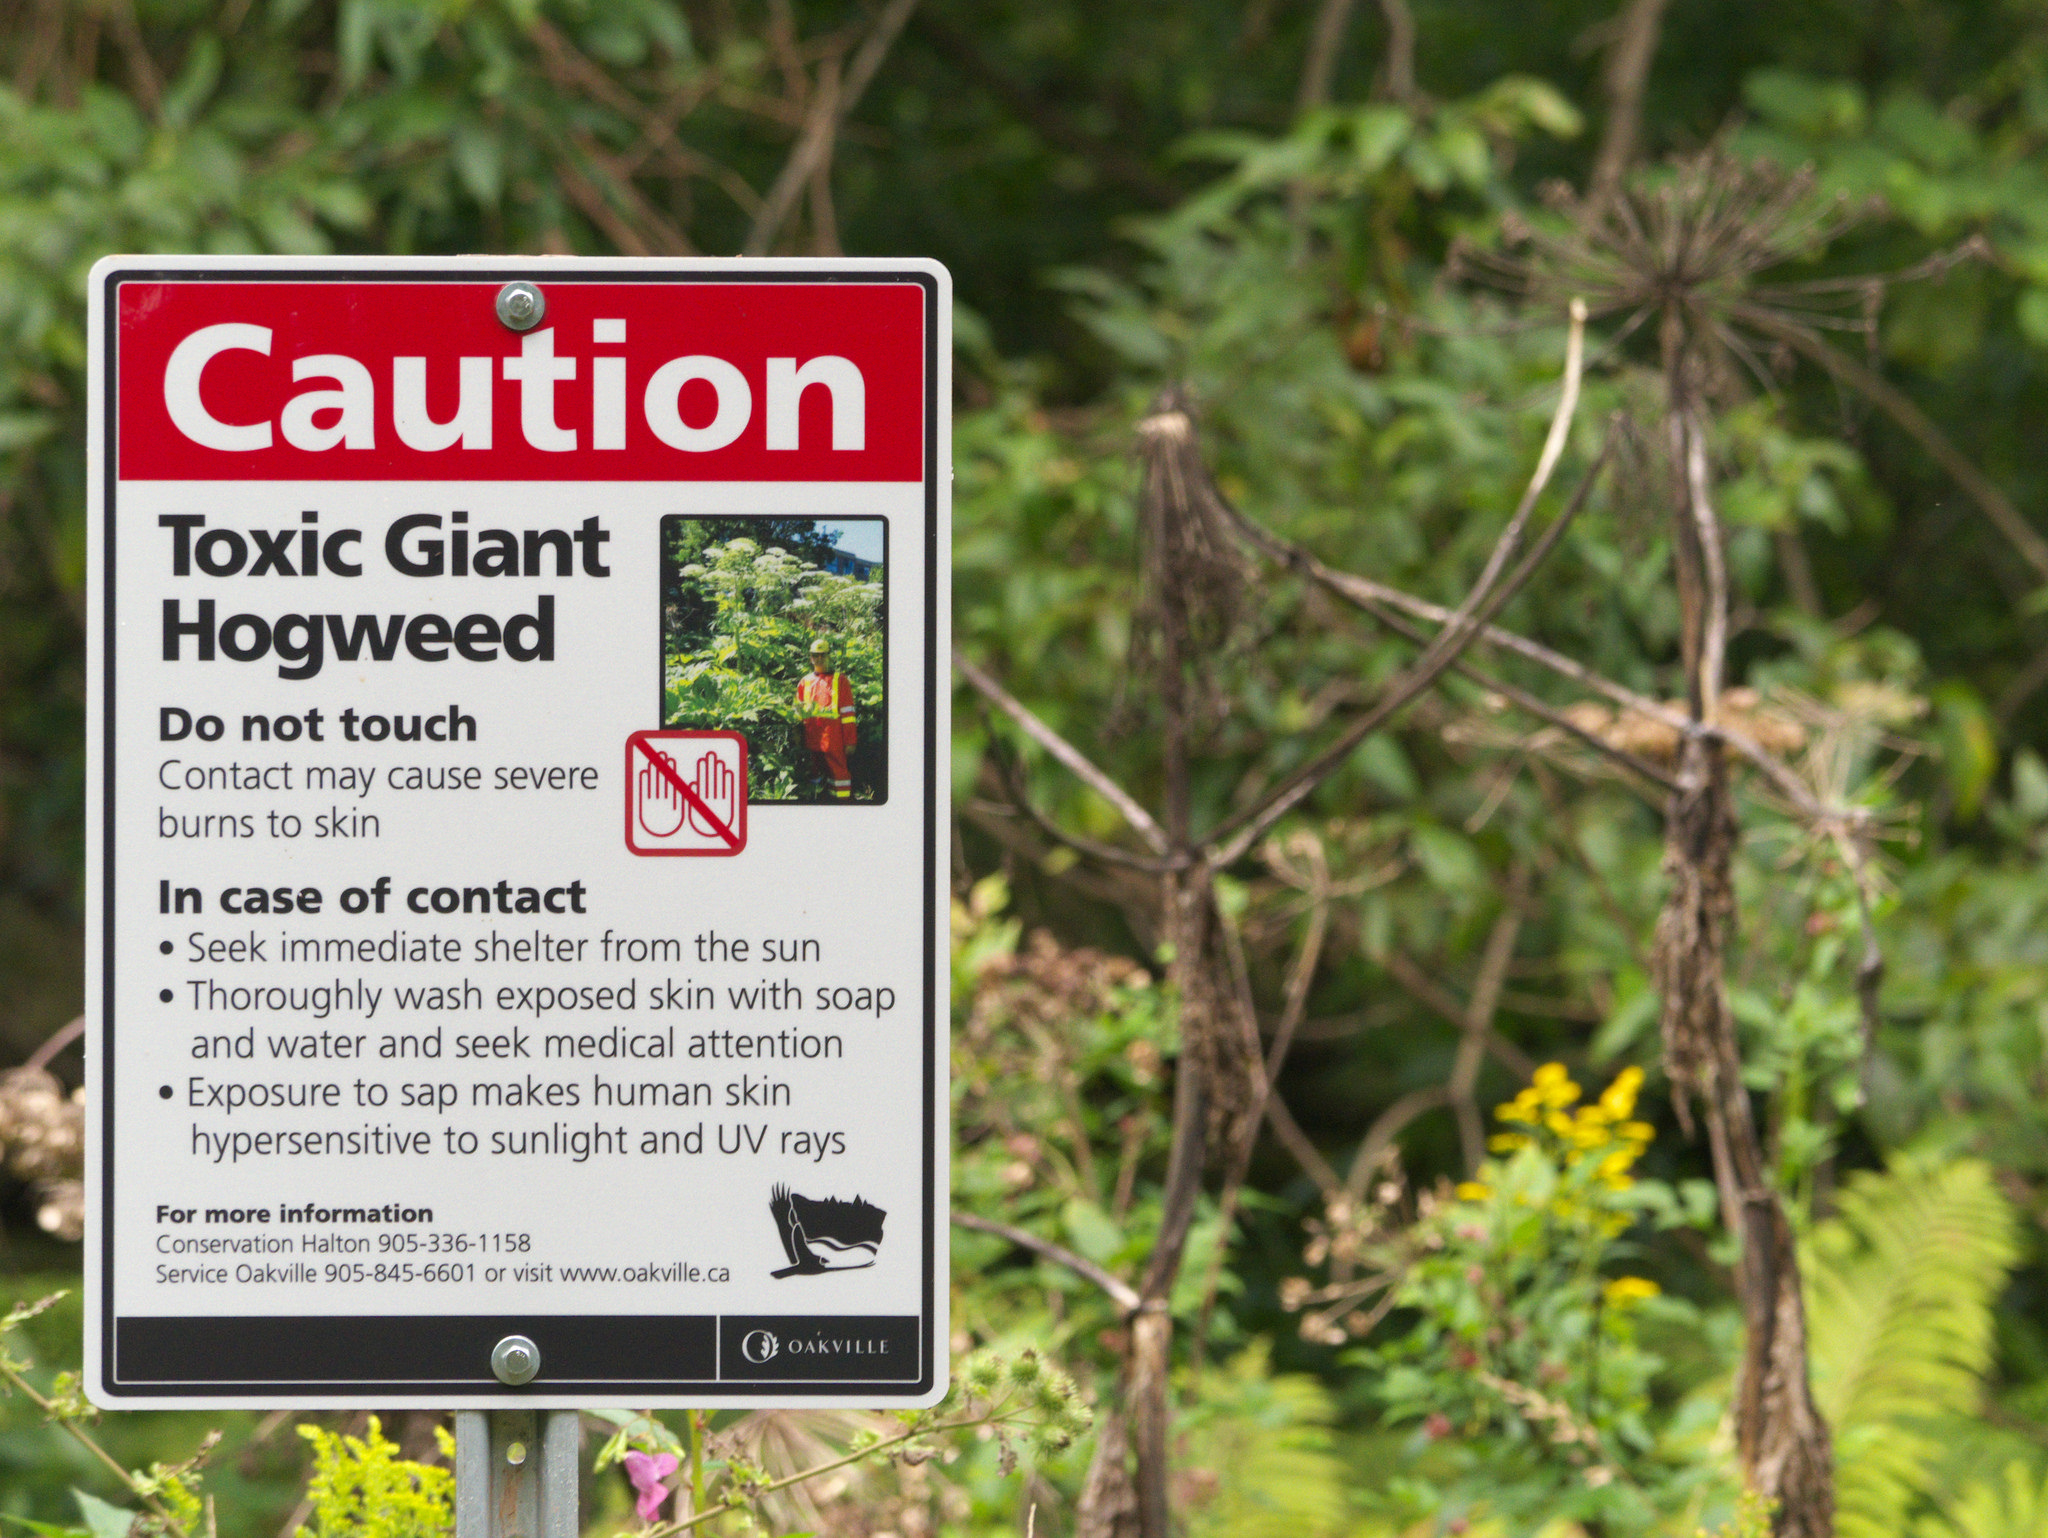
(686,793)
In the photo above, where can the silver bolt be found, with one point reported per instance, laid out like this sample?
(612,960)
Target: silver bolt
(521,306)
(515,1360)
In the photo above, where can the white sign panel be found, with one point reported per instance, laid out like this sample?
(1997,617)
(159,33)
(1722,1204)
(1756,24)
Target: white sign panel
(517,806)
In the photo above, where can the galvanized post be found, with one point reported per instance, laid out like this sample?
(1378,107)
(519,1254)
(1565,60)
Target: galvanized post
(516,1474)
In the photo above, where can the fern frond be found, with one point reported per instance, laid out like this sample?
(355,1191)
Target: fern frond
(1900,1287)
(1258,1455)
(2017,1507)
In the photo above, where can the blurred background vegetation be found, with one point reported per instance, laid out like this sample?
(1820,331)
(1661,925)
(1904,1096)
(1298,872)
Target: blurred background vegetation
(1275,204)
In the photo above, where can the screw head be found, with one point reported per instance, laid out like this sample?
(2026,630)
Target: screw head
(521,306)
(515,1360)
(515,1453)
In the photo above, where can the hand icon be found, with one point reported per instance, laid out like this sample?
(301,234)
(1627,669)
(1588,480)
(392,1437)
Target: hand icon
(658,804)
(719,787)
(686,793)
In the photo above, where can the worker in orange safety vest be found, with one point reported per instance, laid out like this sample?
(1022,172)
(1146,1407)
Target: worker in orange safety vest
(824,699)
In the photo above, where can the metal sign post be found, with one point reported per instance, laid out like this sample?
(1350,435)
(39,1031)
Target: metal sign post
(518,778)
(516,1474)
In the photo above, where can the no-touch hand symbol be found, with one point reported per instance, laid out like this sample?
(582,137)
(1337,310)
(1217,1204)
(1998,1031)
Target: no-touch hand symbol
(663,802)
(686,793)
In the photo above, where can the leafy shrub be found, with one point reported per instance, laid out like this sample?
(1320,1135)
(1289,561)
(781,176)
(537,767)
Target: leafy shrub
(361,1488)
(741,619)
(1522,1366)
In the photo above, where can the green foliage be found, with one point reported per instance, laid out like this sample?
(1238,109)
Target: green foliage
(1058,1086)
(1014,1406)
(1751,1520)
(742,616)
(1296,270)
(361,1488)
(167,1493)
(1900,1290)
(1260,1455)
(1523,1360)
(2014,1506)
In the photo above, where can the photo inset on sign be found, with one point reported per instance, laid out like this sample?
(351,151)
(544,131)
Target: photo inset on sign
(777,628)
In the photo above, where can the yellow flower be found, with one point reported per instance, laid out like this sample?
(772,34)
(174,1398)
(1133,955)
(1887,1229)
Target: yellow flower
(1558,1122)
(1554,1087)
(1506,1142)
(1624,1290)
(1619,1098)
(1472,1191)
(1616,1164)
(1586,1133)
(1637,1131)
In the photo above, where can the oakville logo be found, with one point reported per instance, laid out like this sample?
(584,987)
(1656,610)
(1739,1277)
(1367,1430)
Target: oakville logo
(829,1235)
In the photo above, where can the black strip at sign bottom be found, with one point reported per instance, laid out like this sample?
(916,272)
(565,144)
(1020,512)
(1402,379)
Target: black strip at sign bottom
(173,1354)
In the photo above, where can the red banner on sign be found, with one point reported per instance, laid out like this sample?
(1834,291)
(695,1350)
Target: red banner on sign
(667,381)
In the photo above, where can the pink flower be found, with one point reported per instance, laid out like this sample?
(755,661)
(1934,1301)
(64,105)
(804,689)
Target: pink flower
(647,1471)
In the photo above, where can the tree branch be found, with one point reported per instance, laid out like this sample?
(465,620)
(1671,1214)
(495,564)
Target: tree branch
(2021,689)
(1306,1154)
(1319,64)
(1012,777)
(58,1041)
(1229,842)
(1427,992)
(1379,1137)
(149,90)
(1132,895)
(41,50)
(1299,979)
(1714,642)
(567,66)
(598,209)
(1488,595)
(1894,403)
(1530,704)
(1140,820)
(824,219)
(1122,1293)
(1399,73)
(821,127)
(1477,1025)
(1376,598)
(620,181)
(1629,56)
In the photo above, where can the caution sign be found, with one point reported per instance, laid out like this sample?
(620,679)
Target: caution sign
(515,955)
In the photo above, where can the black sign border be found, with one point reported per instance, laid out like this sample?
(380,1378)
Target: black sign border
(370,1393)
